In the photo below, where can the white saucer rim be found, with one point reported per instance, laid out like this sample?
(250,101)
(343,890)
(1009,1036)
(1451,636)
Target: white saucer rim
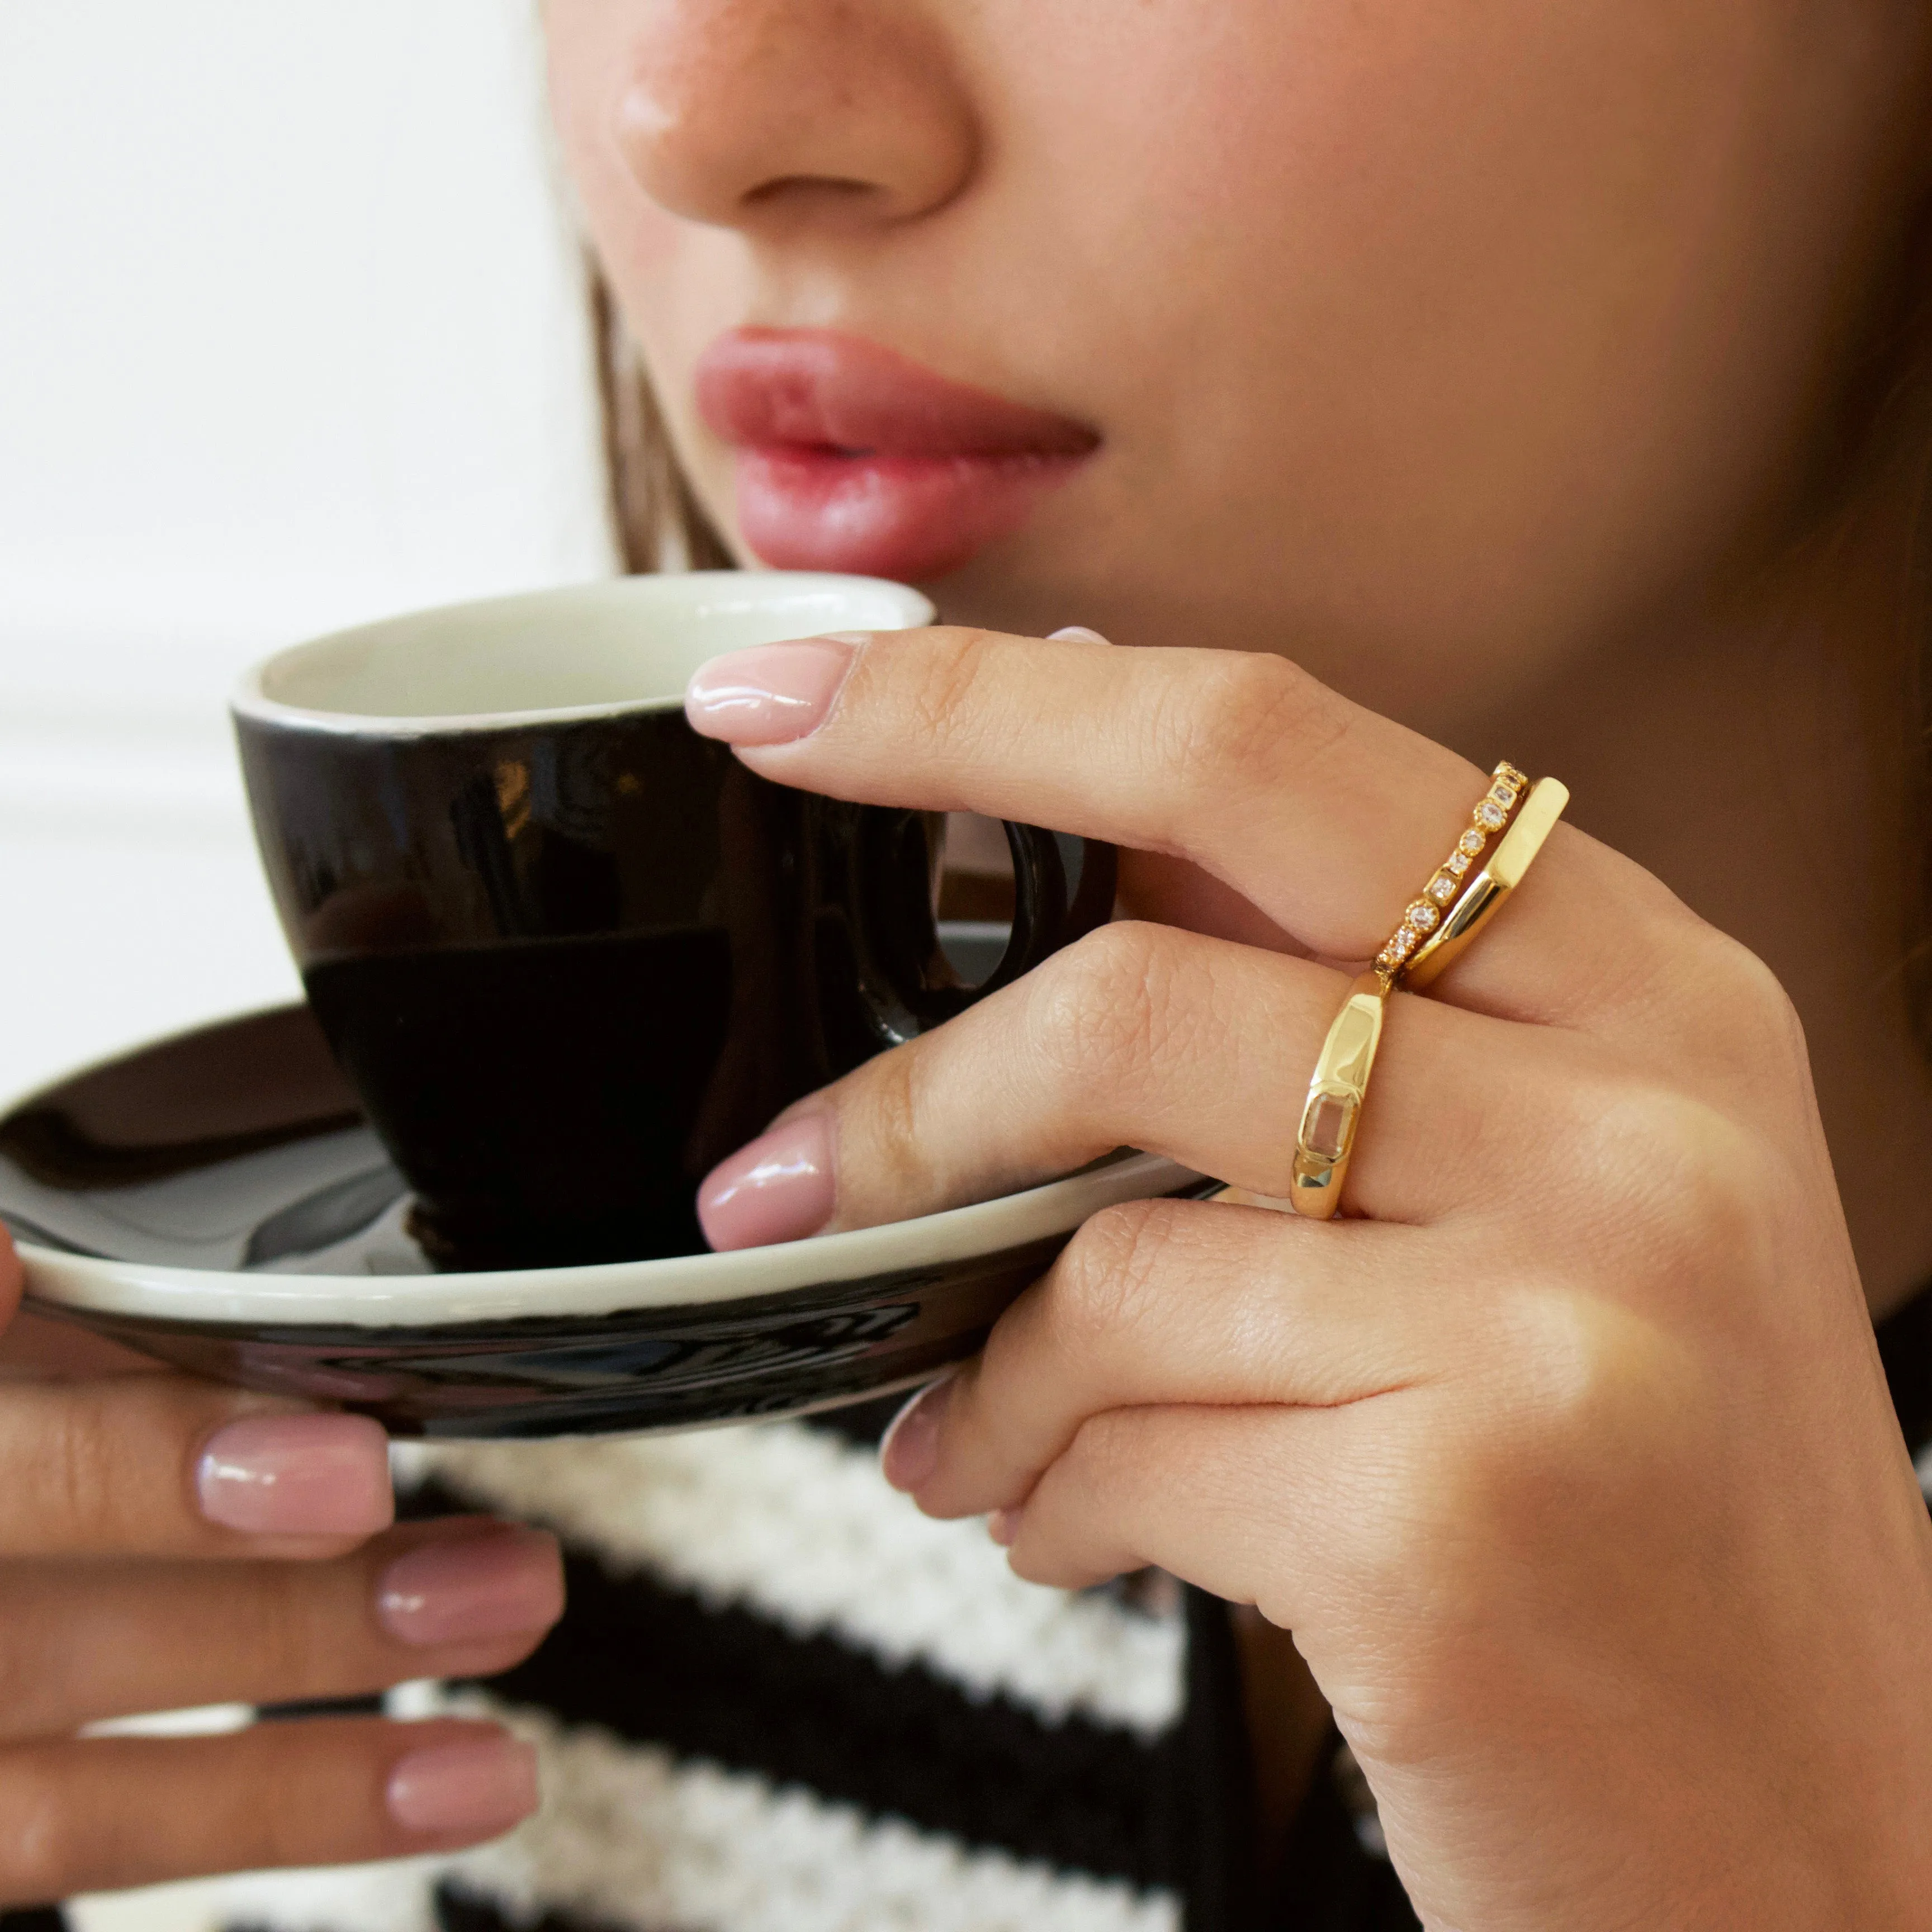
(136,1291)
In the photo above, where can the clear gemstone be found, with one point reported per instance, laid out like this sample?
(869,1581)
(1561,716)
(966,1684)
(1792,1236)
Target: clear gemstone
(1459,863)
(1422,917)
(1442,888)
(1404,942)
(1325,1131)
(1504,795)
(1489,815)
(1472,841)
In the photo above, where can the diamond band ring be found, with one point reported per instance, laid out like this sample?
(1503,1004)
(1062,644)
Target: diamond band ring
(1422,921)
(1509,823)
(1527,824)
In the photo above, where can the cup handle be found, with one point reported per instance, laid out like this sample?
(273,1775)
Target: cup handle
(908,983)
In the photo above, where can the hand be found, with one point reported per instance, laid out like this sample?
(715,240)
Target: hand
(164,1544)
(1569,1463)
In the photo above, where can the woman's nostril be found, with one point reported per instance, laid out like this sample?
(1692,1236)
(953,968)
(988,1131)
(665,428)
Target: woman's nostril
(792,186)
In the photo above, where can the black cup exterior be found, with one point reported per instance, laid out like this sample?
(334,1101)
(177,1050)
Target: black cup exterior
(570,964)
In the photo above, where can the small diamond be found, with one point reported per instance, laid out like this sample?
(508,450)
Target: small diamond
(1490,815)
(1443,888)
(1422,917)
(1504,795)
(1458,862)
(1403,944)
(1471,842)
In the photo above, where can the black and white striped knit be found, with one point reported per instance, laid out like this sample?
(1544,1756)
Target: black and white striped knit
(780,1700)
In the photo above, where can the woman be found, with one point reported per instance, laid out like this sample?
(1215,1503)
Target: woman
(1539,382)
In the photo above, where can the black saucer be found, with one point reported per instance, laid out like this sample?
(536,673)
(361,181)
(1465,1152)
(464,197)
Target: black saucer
(216,1201)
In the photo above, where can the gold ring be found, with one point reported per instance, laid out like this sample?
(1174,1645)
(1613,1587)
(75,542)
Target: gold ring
(1457,902)
(1461,898)
(1481,899)
(1326,1136)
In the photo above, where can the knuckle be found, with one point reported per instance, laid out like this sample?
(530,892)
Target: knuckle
(1670,1210)
(1716,993)
(1246,712)
(1678,1182)
(1103,1007)
(890,1089)
(942,694)
(67,1486)
(1768,1030)
(1101,1457)
(1101,1284)
(888,1120)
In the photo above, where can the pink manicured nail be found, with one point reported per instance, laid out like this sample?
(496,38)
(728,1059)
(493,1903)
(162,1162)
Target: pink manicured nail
(498,1583)
(771,693)
(779,1188)
(1002,1525)
(297,1475)
(1076,634)
(472,1789)
(909,1453)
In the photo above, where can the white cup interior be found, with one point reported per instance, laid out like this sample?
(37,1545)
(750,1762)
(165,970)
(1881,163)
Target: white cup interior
(630,643)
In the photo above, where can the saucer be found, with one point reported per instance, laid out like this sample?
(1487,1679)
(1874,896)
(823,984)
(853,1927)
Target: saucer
(216,1200)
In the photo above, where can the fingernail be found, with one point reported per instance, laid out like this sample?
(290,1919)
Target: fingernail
(909,1452)
(1002,1525)
(1077,633)
(505,1580)
(778,1189)
(474,1788)
(771,693)
(297,1475)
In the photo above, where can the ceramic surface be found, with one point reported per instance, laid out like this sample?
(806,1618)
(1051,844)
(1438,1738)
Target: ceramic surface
(570,953)
(218,1201)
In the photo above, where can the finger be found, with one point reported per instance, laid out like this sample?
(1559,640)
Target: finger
(38,1348)
(82,1641)
(101,1814)
(1326,818)
(1231,1500)
(1169,890)
(1142,1036)
(1160,1303)
(166,1465)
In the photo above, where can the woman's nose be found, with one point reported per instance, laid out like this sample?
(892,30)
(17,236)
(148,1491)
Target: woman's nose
(765,113)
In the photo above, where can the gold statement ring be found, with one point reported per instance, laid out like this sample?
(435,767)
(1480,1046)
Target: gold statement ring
(1327,1137)
(1510,823)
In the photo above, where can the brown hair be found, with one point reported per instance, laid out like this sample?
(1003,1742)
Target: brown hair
(1917,610)
(657,520)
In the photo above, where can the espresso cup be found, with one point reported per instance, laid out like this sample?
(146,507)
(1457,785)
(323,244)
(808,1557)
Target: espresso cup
(570,953)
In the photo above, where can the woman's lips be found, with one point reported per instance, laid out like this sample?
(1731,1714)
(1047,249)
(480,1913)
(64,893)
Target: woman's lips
(852,458)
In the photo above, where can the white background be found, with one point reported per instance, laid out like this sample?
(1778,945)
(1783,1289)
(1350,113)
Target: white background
(292,334)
